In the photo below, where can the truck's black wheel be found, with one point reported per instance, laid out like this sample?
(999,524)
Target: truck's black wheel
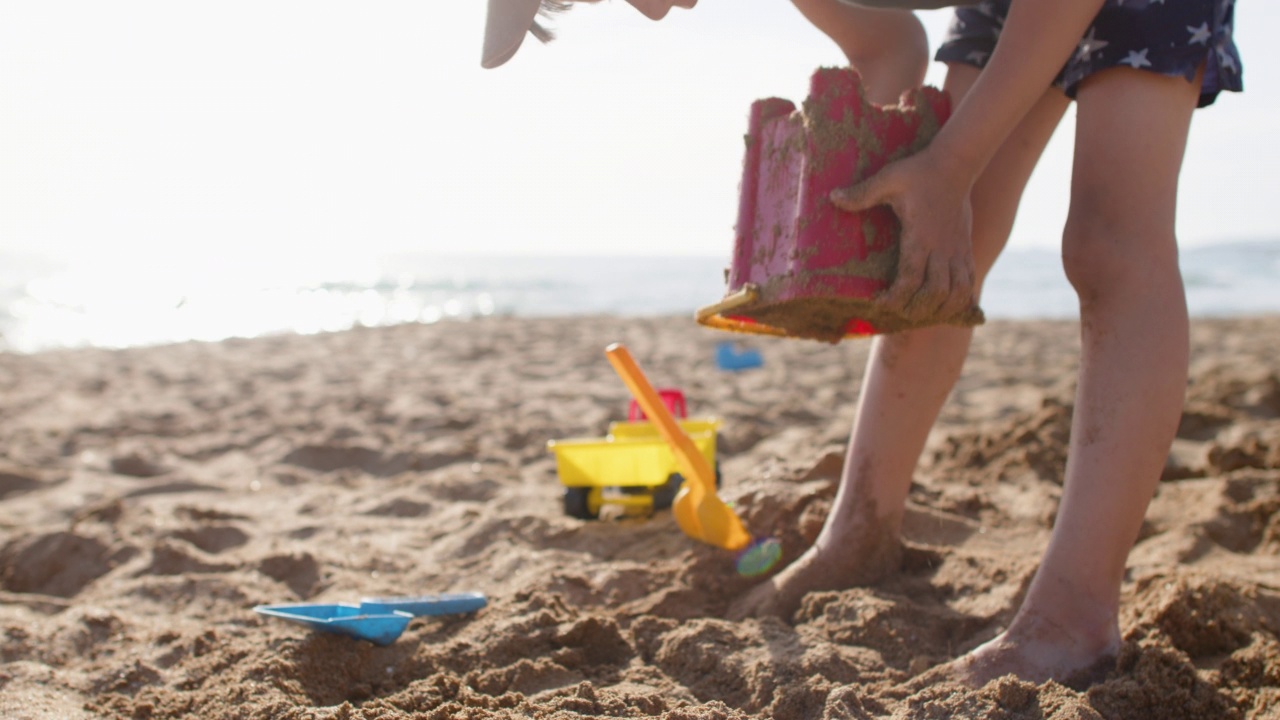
(575,503)
(665,494)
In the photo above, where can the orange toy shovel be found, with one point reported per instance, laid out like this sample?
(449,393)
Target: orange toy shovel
(699,512)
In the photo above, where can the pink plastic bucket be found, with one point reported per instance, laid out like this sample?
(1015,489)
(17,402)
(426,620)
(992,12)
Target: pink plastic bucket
(802,267)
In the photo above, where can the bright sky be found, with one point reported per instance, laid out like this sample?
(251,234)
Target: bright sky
(137,129)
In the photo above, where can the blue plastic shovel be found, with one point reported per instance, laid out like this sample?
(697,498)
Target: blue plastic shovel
(379,620)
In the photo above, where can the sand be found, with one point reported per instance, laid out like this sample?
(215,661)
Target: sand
(153,496)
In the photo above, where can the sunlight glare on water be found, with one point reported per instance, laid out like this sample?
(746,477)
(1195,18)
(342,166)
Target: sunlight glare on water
(120,302)
(127,304)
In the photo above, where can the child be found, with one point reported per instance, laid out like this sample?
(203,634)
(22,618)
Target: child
(1136,69)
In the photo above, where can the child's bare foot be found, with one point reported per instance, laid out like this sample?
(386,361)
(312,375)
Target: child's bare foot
(863,558)
(1034,649)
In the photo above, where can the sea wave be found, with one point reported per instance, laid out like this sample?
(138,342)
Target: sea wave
(46,305)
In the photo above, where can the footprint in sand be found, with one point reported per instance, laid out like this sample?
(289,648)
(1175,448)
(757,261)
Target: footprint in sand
(137,463)
(327,458)
(16,481)
(214,538)
(59,564)
(175,558)
(400,507)
(300,572)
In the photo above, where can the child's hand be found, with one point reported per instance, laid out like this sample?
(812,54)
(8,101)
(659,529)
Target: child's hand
(658,9)
(935,277)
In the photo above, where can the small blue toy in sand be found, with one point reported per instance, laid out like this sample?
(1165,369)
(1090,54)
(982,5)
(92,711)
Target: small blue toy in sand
(730,357)
(379,620)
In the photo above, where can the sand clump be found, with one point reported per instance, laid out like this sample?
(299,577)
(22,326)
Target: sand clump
(153,496)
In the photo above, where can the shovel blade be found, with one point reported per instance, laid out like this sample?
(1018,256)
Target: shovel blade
(720,525)
(685,510)
(705,517)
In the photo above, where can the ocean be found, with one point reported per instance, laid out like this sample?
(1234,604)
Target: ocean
(46,304)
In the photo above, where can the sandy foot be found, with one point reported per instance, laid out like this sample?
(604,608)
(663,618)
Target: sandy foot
(1035,650)
(870,555)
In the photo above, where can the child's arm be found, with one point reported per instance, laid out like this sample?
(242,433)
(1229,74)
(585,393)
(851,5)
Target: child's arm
(1038,39)
(929,191)
(888,48)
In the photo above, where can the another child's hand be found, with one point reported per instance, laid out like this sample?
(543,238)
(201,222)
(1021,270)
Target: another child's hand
(936,276)
(658,9)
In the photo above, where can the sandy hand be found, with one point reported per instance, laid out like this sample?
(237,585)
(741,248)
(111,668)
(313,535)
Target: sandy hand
(936,278)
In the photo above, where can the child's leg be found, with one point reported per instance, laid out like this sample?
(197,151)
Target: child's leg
(907,379)
(1120,254)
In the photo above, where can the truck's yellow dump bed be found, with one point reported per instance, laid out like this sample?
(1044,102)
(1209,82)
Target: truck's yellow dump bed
(632,455)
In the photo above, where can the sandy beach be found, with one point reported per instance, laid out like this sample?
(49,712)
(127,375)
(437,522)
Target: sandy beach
(152,497)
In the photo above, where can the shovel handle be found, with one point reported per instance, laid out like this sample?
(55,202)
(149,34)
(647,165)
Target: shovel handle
(690,460)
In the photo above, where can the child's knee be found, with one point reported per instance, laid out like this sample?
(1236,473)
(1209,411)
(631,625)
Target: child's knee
(1105,254)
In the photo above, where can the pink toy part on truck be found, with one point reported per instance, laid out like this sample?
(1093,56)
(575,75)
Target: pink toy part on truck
(801,266)
(671,397)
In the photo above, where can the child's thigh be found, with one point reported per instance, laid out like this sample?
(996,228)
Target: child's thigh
(1131,134)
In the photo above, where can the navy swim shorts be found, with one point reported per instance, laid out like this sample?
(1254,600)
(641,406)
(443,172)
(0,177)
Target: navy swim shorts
(1170,37)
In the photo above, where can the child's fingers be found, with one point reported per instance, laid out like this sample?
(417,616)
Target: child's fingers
(962,290)
(933,293)
(943,294)
(865,195)
(912,266)
(932,289)
(658,9)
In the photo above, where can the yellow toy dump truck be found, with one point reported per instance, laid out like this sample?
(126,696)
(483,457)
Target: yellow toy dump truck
(632,467)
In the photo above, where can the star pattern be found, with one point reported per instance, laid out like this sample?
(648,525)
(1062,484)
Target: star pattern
(1137,60)
(1199,35)
(1090,45)
(1225,59)
(1170,38)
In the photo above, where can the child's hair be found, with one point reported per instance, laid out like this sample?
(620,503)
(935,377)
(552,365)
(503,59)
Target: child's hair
(546,10)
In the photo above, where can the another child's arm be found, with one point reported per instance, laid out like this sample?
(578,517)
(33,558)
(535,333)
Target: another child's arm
(929,191)
(888,48)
